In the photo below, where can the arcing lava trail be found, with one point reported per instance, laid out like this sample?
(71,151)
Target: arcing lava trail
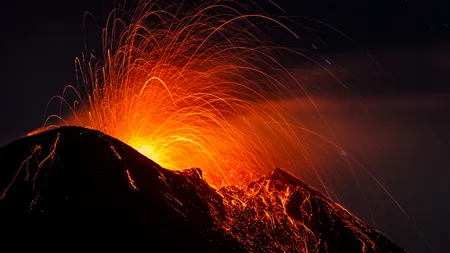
(81,189)
(193,84)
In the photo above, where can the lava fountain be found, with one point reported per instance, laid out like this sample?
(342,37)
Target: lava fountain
(192,86)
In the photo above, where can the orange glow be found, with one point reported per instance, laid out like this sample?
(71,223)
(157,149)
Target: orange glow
(203,87)
(191,87)
(39,130)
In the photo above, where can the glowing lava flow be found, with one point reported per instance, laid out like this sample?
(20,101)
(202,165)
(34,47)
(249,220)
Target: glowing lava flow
(191,86)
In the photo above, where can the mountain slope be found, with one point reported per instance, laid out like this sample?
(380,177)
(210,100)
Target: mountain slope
(78,188)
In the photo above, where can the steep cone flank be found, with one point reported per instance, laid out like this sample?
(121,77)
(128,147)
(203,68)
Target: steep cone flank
(79,188)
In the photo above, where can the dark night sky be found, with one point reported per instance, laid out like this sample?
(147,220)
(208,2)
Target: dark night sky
(402,139)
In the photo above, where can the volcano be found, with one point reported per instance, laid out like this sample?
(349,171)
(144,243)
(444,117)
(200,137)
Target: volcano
(77,188)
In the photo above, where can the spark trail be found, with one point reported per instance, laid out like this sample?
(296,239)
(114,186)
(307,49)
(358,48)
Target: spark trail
(192,86)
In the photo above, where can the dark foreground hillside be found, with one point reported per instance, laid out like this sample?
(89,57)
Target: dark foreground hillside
(77,189)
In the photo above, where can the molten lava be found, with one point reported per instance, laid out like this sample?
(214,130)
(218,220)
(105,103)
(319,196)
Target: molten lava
(191,86)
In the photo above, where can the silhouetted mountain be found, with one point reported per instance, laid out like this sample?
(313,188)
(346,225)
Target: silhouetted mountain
(75,188)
